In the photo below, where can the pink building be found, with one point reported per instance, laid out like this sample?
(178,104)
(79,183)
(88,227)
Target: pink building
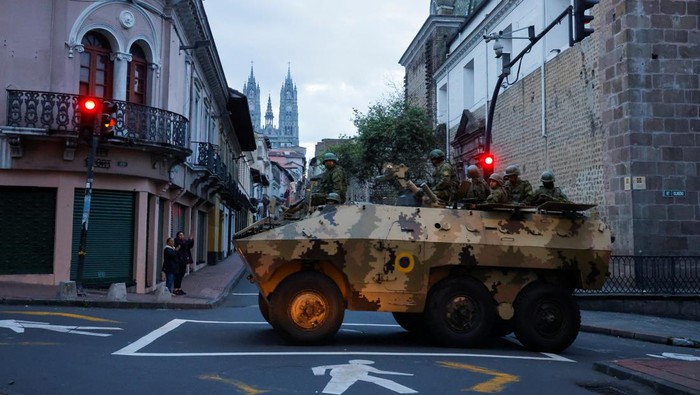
(171,162)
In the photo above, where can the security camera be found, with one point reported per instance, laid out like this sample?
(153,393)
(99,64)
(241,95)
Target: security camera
(498,48)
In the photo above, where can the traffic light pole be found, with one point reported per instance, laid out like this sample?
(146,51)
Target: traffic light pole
(92,152)
(502,76)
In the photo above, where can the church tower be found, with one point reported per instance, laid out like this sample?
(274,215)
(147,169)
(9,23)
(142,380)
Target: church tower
(252,90)
(289,112)
(269,117)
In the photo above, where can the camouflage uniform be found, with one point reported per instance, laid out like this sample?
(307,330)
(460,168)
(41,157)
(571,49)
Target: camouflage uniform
(332,181)
(544,194)
(498,195)
(478,190)
(521,192)
(445,182)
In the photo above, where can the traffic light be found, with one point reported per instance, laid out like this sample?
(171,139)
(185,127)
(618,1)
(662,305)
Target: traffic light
(109,119)
(487,162)
(581,19)
(88,107)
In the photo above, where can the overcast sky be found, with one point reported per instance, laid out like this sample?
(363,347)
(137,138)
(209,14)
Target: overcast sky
(344,54)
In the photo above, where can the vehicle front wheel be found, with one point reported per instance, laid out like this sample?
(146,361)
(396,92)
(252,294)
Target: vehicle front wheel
(547,318)
(307,307)
(460,312)
(264,307)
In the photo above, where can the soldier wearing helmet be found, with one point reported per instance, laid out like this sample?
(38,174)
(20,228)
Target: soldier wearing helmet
(498,194)
(445,179)
(333,180)
(333,198)
(478,188)
(547,192)
(520,191)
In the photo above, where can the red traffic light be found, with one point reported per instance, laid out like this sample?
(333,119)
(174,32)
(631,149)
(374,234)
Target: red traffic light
(89,104)
(488,159)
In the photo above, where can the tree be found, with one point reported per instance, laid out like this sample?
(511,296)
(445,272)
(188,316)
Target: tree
(392,131)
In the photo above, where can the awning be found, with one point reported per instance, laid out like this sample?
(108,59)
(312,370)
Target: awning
(240,118)
(258,177)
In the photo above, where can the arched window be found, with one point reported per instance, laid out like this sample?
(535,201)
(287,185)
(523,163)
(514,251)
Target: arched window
(137,78)
(95,66)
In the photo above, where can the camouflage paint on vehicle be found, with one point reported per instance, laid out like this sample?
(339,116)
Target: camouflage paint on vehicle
(386,258)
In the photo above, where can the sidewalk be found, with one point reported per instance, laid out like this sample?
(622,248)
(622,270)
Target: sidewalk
(205,288)
(208,286)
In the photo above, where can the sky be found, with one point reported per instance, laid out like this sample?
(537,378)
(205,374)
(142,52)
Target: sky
(343,54)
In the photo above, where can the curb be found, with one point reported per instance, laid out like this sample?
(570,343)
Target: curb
(660,385)
(205,304)
(671,341)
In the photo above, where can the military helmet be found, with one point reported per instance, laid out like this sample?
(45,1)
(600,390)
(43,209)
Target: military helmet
(512,170)
(547,176)
(496,177)
(333,196)
(436,153)
(329,156)
(473,171)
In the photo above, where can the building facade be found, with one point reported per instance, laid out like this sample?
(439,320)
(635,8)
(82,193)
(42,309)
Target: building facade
(286,133)
(615,116)
(171,162)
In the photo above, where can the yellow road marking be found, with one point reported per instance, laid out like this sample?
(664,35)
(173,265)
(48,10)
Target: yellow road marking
(69,315)
(30,344)
(494,385)
(248,390)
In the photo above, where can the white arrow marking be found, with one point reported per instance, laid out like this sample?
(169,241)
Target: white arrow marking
(672,355)
(18,326)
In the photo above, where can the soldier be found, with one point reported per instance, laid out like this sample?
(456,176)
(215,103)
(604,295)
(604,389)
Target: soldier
(478,188)
(499,194)
(333,198)
(520,191)
(445,180)
(332,180)
(547,192)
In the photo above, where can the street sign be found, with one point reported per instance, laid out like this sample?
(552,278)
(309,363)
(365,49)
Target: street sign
(671,193)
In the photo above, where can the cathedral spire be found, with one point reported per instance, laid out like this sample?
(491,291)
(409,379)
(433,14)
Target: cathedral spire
(269,117)
(252,91)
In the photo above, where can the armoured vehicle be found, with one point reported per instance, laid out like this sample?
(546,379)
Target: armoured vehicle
(455,275)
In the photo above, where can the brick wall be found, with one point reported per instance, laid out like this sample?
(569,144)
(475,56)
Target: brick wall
(650,107)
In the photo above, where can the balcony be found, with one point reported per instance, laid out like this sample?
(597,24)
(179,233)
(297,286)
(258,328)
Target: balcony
(216,176)
(52,114)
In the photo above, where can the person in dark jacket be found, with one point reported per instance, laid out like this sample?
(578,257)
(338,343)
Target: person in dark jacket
(184,258)
(170,266)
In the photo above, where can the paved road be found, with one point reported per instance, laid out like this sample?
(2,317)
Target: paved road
(231,350)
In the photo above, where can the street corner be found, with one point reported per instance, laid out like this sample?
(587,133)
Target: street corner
(671,372)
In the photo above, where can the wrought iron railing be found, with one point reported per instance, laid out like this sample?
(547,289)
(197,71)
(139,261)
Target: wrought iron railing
(58,113)
(651,275)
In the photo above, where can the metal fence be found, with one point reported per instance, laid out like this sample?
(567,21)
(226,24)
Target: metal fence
(651,275)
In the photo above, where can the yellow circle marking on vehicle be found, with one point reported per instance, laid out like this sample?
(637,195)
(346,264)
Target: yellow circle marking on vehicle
(404,262)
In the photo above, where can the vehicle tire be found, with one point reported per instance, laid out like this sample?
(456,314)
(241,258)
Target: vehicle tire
(307,307)
(502,327)
(414,323)
(264,307)
(460,312)
(547,318)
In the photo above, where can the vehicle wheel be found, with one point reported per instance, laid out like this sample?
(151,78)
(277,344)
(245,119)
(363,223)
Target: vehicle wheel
(412,322)
(307,307)
(460,312)
(264,307)
(502,327)
(547,318)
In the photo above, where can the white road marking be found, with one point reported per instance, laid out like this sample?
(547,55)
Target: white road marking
(673,355)
(134,348)
(244,293)
(18,326)
(343,376)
